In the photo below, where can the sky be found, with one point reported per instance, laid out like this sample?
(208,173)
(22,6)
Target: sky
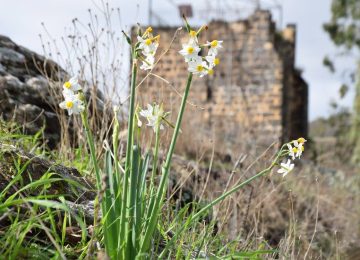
(21,21)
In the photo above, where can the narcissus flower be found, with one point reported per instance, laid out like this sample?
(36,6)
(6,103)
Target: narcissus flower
(190,51)
(299,142)
(214,46)
(212,60)
(72,85)
(286,168)
(193,37)
(299,145)
(147,47)
(298,148)
(154,115)
(148,63)
(72,104)
(292,151)
(198,66)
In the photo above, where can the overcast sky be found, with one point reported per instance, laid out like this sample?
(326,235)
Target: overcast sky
(21,21)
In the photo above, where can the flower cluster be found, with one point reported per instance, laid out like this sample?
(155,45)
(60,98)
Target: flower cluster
(295,150)
(147,45)
(198,64)
(154,115)
(72,103)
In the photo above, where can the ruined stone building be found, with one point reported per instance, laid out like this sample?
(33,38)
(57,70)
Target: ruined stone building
(255,97)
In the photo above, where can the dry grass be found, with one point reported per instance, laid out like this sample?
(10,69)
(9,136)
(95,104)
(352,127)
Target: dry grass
(310,214)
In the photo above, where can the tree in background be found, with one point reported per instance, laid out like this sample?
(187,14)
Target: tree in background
(344,30)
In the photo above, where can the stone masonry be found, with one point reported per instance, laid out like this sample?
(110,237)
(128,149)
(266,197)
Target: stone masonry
(255,97)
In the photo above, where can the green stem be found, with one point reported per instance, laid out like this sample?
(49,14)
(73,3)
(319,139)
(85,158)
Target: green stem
(156,153)
(165,172)
(153,173)
(115,149)
(90,141)
(131,235)
(124,227)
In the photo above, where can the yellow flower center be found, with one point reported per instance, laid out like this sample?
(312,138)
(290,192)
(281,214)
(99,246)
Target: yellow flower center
(211,71)
(301,140)
(67,84)
(214,43)
(216,61)
(149,29)
(148,41)
(295,150)
(69,104)
(199,68)
(190,50)
(192,33)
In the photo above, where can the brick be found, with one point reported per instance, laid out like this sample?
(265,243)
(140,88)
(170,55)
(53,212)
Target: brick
(246,91)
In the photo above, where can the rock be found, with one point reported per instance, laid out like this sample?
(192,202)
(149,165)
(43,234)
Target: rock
(25,103)
(35,169)
(78,193)
(30,91)
(24,64)
(25,94)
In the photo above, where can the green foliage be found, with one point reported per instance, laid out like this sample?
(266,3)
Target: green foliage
(33,222)
(329,64)
(343,29)
(343,90)
(27,215)
(344,24)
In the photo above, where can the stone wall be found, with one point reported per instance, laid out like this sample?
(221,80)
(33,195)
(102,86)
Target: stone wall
(255,97)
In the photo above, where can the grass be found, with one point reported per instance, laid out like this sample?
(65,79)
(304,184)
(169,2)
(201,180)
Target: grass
(30,215)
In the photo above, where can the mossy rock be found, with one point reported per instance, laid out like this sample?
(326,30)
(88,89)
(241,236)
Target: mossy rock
(15,161)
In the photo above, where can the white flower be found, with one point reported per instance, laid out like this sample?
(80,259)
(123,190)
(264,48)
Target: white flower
(286,168)
(212,60)
(148,63)
(148,45)
(300,141)
(153,114)
(198,66)
(193,37)
(72,85)
(72,104)
(196,63)
(214,46)
(299,148)
(190,51)
(292,151)
(139,123)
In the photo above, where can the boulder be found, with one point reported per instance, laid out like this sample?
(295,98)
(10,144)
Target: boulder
(30,91)
(25,94)
(72,185)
